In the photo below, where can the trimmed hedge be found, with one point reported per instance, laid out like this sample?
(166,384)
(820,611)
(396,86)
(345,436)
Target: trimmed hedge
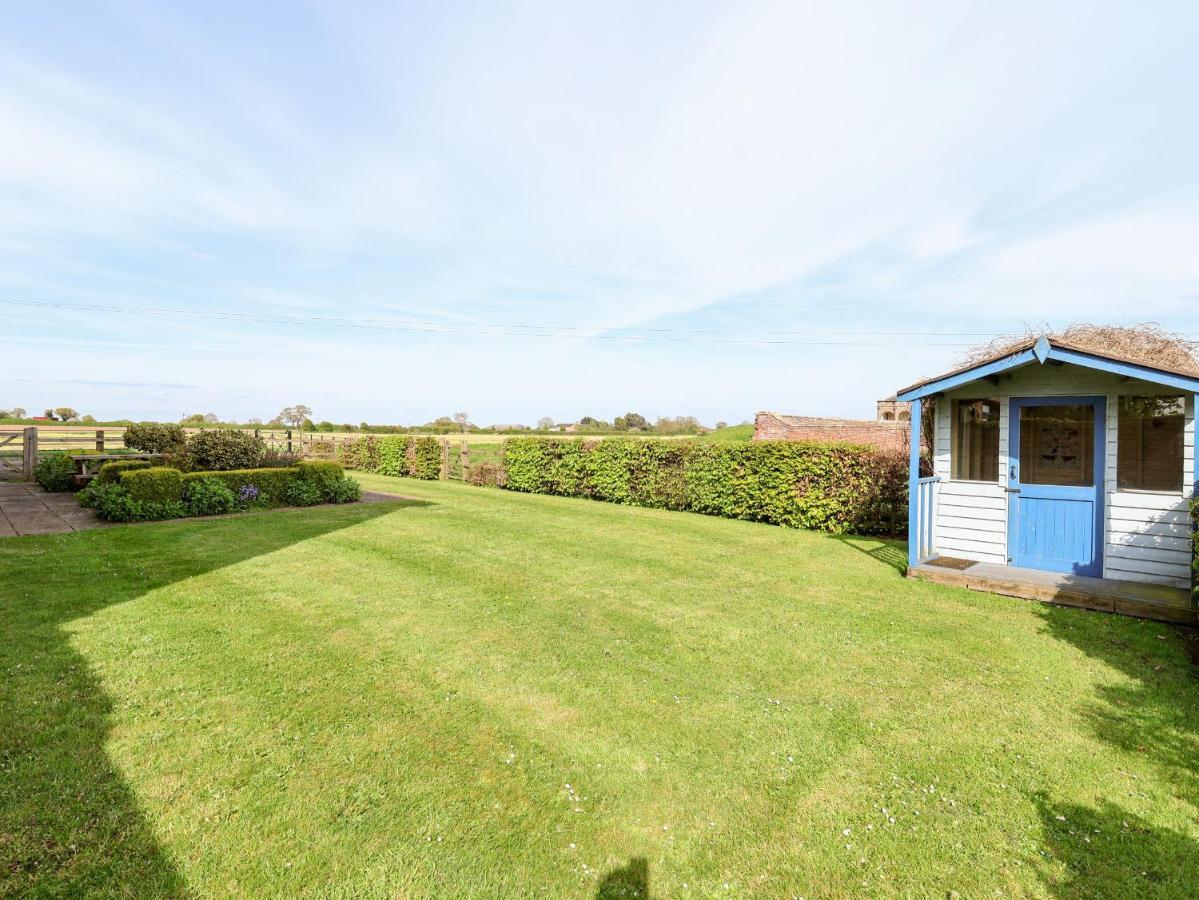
(402,455)
(272,484)
(832,487)
(110,472)
(162,492)
(157,484)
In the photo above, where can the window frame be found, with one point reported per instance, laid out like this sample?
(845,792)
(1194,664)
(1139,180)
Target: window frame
(1182,490)
(955,429)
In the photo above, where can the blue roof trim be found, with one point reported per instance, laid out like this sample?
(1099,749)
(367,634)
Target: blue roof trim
(1041,349)
(1187,383)
(949,382)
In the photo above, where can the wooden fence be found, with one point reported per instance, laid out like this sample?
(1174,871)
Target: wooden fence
(20,445)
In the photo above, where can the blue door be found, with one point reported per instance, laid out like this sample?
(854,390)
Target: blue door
(1055,484)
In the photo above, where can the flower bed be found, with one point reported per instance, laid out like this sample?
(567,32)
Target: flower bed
(161,492)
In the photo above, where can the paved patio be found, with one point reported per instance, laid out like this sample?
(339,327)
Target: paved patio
(26,509)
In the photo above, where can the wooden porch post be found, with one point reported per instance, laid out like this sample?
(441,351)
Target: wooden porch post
(914,485)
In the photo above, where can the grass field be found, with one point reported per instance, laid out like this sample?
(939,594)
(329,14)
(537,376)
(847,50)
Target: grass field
(487,694)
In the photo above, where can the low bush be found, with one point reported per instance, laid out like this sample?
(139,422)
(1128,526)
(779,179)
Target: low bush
(55,472)
(838,488)
(113,503)
(487,475)
(157,484)
(301,492)
(223,450)
(403,455)
(347,490)
(151,437)
(111,472)
(211,497)
(321,474)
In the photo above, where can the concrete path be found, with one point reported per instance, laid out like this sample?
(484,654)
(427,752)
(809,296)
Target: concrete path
(26,509)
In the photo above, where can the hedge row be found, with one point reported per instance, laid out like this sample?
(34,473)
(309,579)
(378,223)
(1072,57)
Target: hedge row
(163,492)
(838,488)
(406,455)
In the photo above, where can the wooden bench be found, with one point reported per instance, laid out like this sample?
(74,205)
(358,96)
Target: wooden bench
(87,466)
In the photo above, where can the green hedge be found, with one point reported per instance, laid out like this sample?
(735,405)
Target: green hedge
(157,484)
(110,472)
(838,488)
(400,455)
(272,484)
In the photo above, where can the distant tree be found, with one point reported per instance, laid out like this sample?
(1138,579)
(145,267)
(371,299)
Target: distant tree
(211,419)
(88,420)
(545,423)
(462,420)
(193,419)
(65,413)
(16,412)
(346,426)
(630,422)
(720,425)
(307,425)
(254,421)
(324,426)
(49,414)
(294,415)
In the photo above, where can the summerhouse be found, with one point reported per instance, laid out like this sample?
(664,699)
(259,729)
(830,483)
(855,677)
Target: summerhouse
(1060,474)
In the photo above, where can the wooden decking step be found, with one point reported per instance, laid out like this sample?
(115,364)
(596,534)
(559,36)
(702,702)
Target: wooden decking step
(1128,598)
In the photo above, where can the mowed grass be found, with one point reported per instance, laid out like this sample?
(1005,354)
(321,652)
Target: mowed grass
(487,694)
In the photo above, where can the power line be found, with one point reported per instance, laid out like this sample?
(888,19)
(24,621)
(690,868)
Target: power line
(488,329)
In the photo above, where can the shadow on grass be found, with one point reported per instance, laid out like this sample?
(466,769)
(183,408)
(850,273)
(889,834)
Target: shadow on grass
(1153,712)
(630,882)
(69,824)
(1106,851)
(889,552)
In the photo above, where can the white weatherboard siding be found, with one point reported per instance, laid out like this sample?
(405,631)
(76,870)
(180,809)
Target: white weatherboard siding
(1146,535)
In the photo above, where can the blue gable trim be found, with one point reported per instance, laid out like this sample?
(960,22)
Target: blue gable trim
(1039,353)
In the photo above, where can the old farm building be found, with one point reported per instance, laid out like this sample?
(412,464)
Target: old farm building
(1062,474)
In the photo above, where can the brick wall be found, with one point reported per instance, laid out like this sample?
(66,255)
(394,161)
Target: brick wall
(769,426)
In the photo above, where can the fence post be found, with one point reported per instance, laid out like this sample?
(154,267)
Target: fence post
(289,440)
(29,452)
(465,462)
(99,440)
(445,460)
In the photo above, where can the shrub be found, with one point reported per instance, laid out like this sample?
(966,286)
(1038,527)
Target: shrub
(150,437)
(301,492)
(222,450)
(838,488)
(271,484)
(488,475)
(347,490)
(404,455)
(110,472)
(211,497)
(321,473)
(113,503)
(55,472)
(157,484)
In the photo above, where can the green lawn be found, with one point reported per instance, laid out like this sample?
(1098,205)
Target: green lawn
(733,434)
(490,694)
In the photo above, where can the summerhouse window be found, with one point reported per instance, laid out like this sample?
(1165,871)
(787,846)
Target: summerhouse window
(1150,449)
(975,440)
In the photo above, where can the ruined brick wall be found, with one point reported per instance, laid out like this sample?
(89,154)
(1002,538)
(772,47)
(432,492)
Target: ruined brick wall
(769,426)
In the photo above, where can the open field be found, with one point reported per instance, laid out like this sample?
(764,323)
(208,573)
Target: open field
(491,694)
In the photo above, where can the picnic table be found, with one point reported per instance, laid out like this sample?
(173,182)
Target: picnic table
(87,465)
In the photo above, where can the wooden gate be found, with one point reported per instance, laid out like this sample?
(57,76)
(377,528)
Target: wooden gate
(18,453)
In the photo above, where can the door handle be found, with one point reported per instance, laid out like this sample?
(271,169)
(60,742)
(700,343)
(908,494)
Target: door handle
(1012,490)
(1012,472)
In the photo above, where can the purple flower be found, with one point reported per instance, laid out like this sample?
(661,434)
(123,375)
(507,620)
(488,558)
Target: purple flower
(248,493)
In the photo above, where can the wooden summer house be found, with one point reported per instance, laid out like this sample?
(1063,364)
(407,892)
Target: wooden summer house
(1059,474)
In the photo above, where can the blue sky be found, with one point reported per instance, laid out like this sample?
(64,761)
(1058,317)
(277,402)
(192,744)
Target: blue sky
(688,208)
